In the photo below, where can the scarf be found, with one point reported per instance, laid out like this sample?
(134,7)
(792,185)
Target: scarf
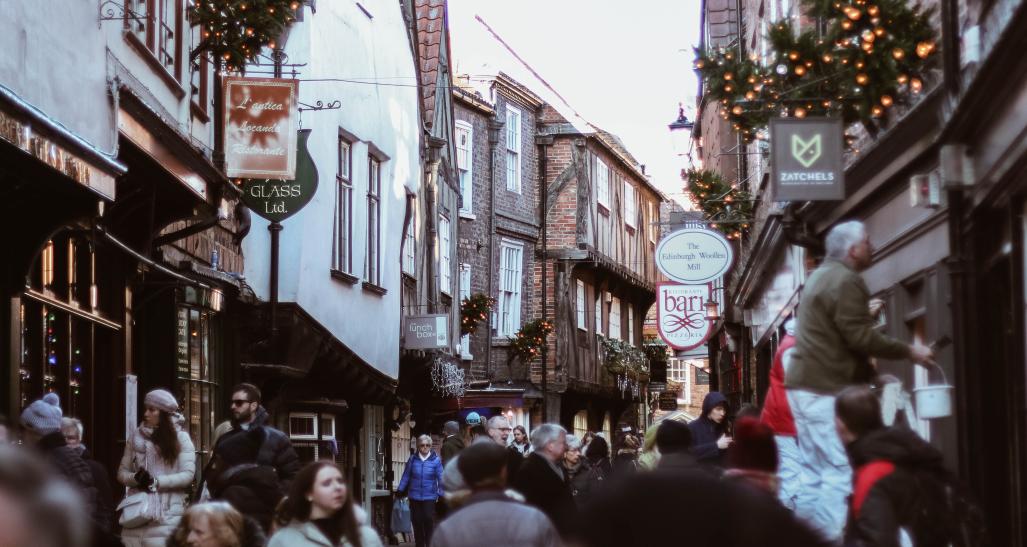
(147,456)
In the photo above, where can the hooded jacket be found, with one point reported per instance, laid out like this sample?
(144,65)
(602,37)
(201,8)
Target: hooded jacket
(422,479)
(776,412)
(705,431)
(897,475)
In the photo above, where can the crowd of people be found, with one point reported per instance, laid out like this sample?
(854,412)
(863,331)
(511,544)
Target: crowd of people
(815,466)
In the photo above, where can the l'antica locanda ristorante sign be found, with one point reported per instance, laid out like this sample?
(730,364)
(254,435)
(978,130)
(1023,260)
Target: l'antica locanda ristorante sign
(694,255)
(261,118)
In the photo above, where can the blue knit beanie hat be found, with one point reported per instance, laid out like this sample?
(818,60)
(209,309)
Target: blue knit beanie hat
(43,416)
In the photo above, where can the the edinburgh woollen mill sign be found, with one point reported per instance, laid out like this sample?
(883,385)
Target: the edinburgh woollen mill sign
(681,314)
(806,159)
(261,118)
(694,255)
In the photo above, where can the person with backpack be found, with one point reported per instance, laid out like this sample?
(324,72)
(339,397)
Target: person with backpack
(901,492)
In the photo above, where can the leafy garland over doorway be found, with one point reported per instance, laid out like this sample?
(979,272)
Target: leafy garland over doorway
(234,31)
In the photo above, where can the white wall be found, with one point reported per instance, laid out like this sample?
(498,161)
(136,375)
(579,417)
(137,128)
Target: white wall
(50,48)
(339,41)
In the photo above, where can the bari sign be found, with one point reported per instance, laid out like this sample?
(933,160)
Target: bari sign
(681,314)
(694,256)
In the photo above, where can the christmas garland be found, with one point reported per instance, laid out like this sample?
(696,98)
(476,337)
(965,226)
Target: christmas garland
(873,55)
(729,209)
(620,357)
(527,343)
(234,31)
(474,309)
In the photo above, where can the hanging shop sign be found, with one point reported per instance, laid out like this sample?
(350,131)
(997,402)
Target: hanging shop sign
(261,119)
(806,159)
(276,199)
(668,400)
(681,314)
(426,331)
(694,255)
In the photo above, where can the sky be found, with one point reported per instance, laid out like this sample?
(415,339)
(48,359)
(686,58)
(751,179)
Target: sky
(622,66)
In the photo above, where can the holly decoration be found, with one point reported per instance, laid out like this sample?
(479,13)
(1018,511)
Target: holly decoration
(234,31)
(620,357)
(527,343)
(729,209)
(473,310)
(873,56)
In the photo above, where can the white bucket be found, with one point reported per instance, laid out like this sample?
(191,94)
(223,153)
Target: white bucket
(934,400)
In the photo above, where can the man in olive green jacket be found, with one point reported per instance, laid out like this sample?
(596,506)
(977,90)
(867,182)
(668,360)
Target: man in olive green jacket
(835,337)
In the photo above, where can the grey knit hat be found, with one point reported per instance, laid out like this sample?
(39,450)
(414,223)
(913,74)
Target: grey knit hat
(43,416)
(161,399)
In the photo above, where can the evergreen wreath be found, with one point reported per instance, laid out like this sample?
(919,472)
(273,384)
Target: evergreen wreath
(234,31)
(527,343)
(872,56)
(473,310)
(729,209)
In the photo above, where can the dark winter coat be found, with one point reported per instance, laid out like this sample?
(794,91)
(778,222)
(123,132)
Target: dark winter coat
(72,467)
(514,459)
(251,489)
(451,446)
(647,510)
(625,462)
(276,451)
(776,412)
(897,478)
(105,507)
(706,432)
(585,480)
(422,479)
(543,488)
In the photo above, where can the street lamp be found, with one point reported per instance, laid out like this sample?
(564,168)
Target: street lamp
(712,311)
(681,139)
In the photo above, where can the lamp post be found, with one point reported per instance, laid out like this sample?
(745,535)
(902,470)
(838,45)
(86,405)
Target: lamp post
(681,135)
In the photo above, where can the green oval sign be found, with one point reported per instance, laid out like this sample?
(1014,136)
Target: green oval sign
(276,199)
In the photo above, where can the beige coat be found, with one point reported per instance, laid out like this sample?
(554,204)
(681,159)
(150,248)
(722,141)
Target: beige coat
(173,483)
(301,534)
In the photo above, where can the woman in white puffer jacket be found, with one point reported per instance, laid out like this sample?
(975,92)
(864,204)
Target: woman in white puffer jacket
(159,459)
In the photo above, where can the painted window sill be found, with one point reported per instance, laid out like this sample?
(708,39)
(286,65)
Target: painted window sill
(340,275)
(372,288)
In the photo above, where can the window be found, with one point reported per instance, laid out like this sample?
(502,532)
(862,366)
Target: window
(631,324)
(581,305)
(464,162)
(513,149)
(156,25)
(603,184)
(312,435)
(630,209)
(465,293)
(615,318)
(510,259)
(445,256)
(343,252)
(199,76)
(654,218)
(581,424)
(599,311)
(410,242)
(372,270)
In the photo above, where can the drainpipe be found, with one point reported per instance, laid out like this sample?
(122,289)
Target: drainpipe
(544,142)
(494,128)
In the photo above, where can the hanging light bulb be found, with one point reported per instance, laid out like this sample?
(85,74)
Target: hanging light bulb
(867,47)
(879,32)
(898,53)
(902,78)
(828,58)
(915,85)
(699,64)
(800,112)
(862,79)
(876,111)
(846,24)
(872,10)
(886,100)
(737,110)
(749,95)
(781,69)
(867,35)
(728,76)
(728,88)
(800,70)
(923,49)
(793,55)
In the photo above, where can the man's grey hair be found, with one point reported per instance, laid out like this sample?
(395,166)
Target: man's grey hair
(545,434)
(72,424)
(424,438)
(451,428)
(493,422)
(573,442)
(843,237)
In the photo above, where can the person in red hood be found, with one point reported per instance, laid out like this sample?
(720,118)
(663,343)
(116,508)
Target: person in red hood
(778,416)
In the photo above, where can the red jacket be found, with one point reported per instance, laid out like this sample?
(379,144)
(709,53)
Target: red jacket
(776,412)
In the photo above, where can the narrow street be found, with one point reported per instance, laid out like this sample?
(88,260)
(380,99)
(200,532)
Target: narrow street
(482,272)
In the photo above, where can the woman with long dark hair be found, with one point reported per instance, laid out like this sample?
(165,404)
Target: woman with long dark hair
(319,511)
(159,461)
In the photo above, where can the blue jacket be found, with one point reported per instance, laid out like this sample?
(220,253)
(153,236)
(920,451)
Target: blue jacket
(422,480)
(705,431)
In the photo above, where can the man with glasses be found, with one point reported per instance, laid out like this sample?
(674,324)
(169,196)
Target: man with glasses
(275,448)
(499,430)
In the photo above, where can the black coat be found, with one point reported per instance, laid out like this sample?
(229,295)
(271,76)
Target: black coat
(585,481)
(451,447)
(276,450)
(897,479)
(251,489)
(76,471)
(706,432)
(541,487)
(105,506)
(648,509)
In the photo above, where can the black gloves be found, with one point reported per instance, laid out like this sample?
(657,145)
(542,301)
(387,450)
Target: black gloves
(143,479)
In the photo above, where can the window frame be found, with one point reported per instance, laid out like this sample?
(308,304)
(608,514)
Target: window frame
(602,183)
(372,255)
(408,263)
(630,214)
(465,169)
(510,287)
(582,313)
(465,293)
(615,305)
(514,173)
(631,322)
(342,251)
(445,255)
